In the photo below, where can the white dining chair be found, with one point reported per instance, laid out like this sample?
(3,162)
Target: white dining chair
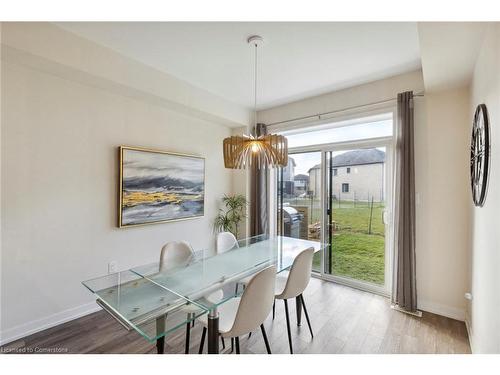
(227,241)
(240,316)
(295,284)
(179,254)
(175,254)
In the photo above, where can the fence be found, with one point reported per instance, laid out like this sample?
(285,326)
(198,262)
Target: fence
(357,215)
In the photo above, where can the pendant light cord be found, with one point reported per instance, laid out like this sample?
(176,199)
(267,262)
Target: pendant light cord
(255,94)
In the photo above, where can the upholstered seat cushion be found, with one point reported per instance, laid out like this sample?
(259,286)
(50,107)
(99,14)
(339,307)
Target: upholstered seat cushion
(227,314)
(215,296)
(212,298)
(280,285)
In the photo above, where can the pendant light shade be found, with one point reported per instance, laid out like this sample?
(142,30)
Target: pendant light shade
(241,152)
(260,151)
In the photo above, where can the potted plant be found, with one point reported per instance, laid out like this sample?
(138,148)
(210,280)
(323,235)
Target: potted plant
(231,216)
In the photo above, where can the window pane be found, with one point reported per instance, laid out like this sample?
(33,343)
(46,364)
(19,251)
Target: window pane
(299,199)
(330,133)
(356,221)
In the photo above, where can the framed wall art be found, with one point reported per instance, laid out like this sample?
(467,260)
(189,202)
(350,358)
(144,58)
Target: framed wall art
(159,186)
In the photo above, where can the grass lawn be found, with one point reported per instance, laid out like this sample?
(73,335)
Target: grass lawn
(358,219)
(359,256)
(356,253)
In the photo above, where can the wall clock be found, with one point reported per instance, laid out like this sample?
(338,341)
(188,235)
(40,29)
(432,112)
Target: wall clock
(480,155)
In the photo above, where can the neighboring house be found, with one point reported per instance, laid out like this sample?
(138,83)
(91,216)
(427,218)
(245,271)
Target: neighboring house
(289,170)
(357,175)
(288,177)
(301,184)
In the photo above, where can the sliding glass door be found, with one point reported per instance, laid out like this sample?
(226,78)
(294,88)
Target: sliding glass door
(357,215)
(340,194)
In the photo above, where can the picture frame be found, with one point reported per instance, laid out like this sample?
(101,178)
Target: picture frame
(158,186)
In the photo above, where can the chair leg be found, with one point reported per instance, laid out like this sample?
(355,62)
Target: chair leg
(232,344)
(298,308)
(274,308)
(202,342)
(268,348)
(236,289)
(288,326)
(306,314)
(223,342)
(250,335)
(188,335)
(237,344)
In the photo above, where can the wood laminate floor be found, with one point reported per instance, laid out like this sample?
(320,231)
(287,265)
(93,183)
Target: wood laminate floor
(344,320)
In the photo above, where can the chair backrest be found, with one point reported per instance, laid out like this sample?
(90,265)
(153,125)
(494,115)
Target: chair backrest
(225,242)
(256,303)
(299,275)
(175,254)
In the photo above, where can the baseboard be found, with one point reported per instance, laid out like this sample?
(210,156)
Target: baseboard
(468,326)
(416,313)
(38,325)
(444,310)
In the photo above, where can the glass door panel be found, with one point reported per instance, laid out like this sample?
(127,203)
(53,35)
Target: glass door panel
(299,199)
(356,203)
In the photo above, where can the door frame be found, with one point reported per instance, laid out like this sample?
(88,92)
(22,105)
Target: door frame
(388,142)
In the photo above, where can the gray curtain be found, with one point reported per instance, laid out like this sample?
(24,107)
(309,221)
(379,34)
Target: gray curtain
(259,221)
(404,293)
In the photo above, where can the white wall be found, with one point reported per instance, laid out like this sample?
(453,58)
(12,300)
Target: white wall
(484,312)
(59,181)
(442,185)
(49,48)
(347,98)
(441,148)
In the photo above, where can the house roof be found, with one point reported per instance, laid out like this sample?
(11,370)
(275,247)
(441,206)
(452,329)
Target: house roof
(302,177)
(357,157)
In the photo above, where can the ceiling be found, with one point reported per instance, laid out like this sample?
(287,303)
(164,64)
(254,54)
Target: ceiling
(298,60)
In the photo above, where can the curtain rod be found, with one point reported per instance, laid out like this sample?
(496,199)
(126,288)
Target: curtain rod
(337,111)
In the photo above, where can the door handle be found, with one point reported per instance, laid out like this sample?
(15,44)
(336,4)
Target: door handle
(384,217)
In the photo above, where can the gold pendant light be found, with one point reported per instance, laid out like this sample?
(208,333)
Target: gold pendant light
(261,151)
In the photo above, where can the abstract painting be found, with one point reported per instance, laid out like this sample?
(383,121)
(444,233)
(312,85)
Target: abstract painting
(158,186)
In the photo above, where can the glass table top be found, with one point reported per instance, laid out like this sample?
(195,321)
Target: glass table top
(139,304)
(211,280)
(156,302)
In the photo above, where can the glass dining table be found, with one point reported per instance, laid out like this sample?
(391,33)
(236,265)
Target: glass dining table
(155,302)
